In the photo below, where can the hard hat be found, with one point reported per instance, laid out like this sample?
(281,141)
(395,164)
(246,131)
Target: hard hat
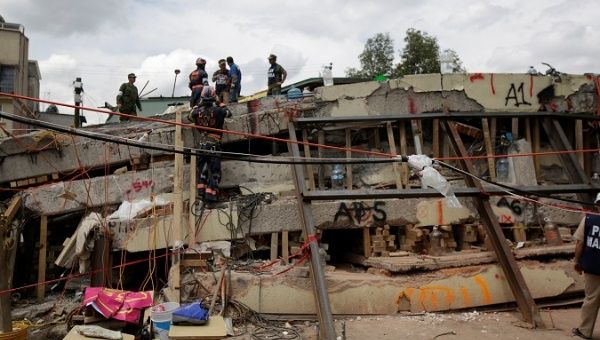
(208,96)
(200,61)
(597,198)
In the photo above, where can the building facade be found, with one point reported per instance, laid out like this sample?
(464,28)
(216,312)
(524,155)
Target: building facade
(18,75)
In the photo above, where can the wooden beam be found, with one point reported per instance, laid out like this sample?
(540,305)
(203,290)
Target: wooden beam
(366,242)
(404,151)
(515,128)
(505,257)
(274,245)
(321,174)
(349,156)
(392,143)
(579,140)
(489,148)
(536,146)
(41,288)
(309,168)
(528,130)
(177,207)
(192,198)
(285,246)
(436,138)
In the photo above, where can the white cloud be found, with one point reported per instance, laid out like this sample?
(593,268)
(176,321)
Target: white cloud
(103,41)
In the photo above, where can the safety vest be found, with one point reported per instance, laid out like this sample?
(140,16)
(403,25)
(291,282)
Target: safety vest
(197,78)
(590,260)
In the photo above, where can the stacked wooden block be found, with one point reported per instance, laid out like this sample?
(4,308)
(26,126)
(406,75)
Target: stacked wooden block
(382,243)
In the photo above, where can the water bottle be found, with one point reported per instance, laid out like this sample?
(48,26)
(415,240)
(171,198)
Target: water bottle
(337,177)
(551,233)
(435,242)
(502,170)
(328,75)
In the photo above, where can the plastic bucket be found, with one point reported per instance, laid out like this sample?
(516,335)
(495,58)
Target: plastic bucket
(19,332)
(162,314)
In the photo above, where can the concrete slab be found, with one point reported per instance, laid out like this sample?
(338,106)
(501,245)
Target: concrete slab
(360,294)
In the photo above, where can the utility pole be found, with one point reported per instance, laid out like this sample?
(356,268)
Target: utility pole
(177,71)
(77,91)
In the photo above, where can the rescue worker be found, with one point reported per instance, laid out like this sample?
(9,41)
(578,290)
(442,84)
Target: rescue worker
(208,169)
(128,98)
(222,82)
(197,79)
(275,76)
(236,80)
(587,262)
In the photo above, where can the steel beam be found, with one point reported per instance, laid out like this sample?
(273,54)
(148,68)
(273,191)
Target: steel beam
(505,257)
(326,323)
(325,195)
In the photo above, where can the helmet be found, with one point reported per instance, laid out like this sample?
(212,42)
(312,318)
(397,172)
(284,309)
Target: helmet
(200,61)
(208,96)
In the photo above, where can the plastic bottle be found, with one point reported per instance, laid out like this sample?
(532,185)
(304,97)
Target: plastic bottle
(337,177)
(551,233)
(327,75)
(502,170)
(435,242)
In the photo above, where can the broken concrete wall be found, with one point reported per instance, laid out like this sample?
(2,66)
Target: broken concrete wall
(352,293)
(475,92)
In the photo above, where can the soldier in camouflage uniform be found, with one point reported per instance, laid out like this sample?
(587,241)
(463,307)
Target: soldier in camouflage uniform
(128,98)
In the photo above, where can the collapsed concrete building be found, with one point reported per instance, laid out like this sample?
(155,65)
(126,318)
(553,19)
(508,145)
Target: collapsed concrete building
(378,250)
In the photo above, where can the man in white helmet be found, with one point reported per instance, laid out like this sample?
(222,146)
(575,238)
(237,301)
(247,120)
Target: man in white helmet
(587,262)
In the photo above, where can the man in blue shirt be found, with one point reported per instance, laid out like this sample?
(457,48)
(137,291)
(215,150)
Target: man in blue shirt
(236,80)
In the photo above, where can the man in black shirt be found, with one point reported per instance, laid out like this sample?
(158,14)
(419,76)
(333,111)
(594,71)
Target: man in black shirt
(275,76)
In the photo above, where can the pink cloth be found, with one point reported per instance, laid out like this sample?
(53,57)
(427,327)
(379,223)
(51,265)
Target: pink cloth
(117,304)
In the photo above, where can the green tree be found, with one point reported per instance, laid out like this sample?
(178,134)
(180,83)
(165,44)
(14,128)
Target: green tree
(420,54)
(377,57)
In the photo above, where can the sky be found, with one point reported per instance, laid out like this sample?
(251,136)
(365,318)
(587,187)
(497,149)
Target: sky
(103,41)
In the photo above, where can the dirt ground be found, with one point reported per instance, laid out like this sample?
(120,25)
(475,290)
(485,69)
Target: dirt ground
(469,325)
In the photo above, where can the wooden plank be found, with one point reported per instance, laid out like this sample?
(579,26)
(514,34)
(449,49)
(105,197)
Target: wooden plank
(392,143)
(366,242)
(579,140)
(515,128)
(404,151)
(285,246)
(192,197)
(321,174)
(309,168)
(528,130)
(274,245)
(214,329)
(489,148)
(377,139)
(436,138)
(349,156)
(178,206)
(13,207)
(493,132)
(41,288)
(536,147)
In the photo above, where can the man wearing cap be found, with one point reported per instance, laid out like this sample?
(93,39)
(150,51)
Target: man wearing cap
(222,82)
(587,262)
(197,79)
(128,98)
(275,77)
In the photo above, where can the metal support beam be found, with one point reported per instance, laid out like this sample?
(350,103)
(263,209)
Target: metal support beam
(327,326)
(365,194)
(506,259)
(559,141)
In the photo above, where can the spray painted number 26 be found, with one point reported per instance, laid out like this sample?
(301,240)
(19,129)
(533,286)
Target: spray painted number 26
(514,206)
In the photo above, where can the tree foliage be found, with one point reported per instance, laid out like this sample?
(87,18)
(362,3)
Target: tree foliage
(420,54)
(377,57)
